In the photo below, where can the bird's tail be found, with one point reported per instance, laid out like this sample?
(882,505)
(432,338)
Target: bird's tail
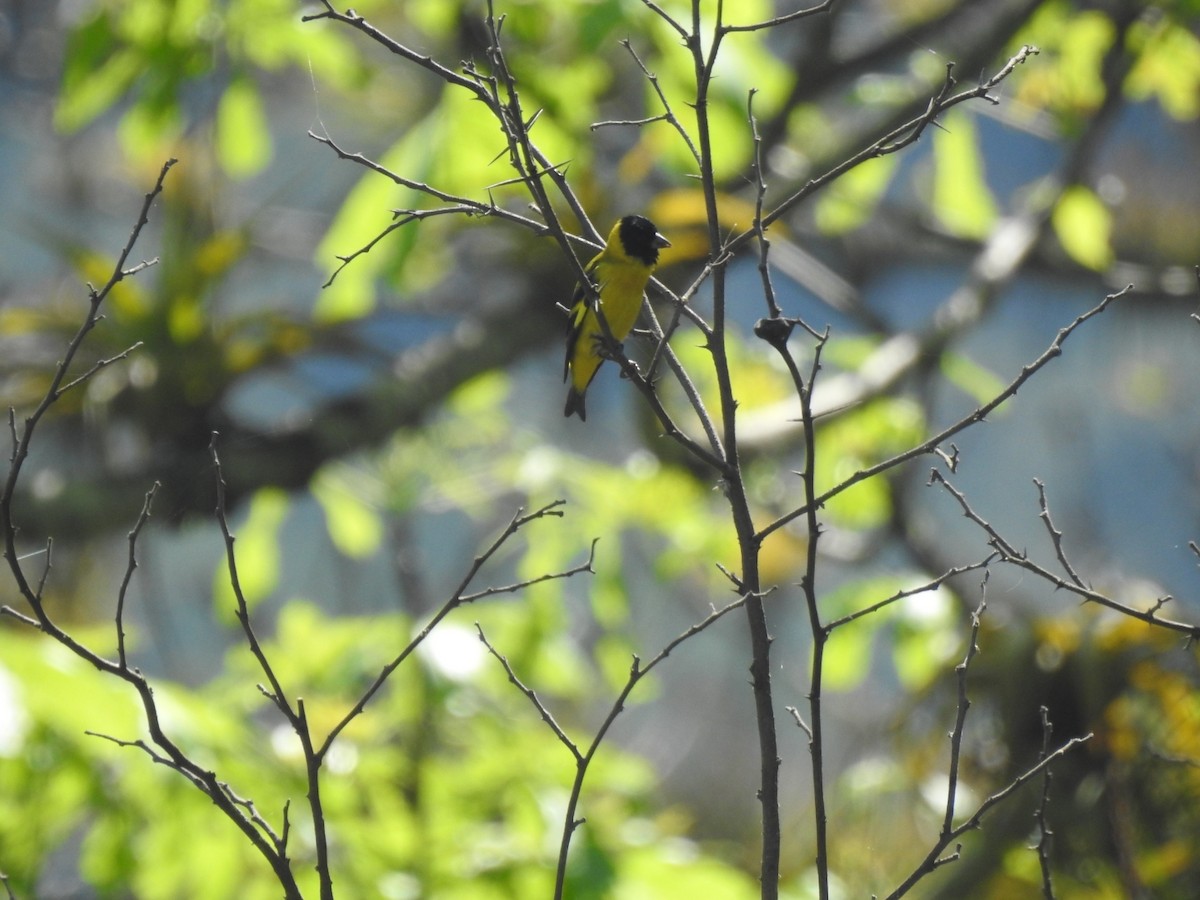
(575,405)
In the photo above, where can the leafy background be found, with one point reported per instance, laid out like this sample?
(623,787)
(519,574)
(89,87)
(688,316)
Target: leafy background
(378,430)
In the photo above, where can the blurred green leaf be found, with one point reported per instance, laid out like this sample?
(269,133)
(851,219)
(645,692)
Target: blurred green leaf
(1084,41)
(1167,66)
(649,875)
(1083,225)
(851,200)
(981,384)
(1067,80)
(857,440)
(109,855)
(243,141)
(928,633)
(962,201)
(847,659)
(848,652)
(355,527)
(614,655)
(95,73)
(364,215)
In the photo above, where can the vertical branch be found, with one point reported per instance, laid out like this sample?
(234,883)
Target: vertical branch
(295,716)
(160,748)
(312,773)
(1045,835)
(748,580)
(960,720)
(820,632)
(735,489)
(129,569)
(760,196)
(776,331)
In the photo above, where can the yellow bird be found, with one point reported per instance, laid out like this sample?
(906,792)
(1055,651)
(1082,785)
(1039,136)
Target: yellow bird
(619,273)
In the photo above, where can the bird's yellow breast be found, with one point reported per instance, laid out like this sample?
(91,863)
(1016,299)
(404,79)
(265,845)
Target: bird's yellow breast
(620,283)
(621,287)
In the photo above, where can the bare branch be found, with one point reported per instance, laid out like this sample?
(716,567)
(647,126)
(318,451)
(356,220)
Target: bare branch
(636,673)
(668,114)
(760,233)
(1045,835)
(1009,554)
(964,704)
(821,7)
(457,599)
(357,22)
(950,834)
(795,713)
(104,363)
(242,609)
(666,17)
(130,566)
(1055,534)
(977,415)
(23,438)
(546,715)
(931,585)
(898,138)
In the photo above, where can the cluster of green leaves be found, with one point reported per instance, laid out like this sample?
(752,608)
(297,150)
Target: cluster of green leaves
(1062,92)
(447,788)
(152,59)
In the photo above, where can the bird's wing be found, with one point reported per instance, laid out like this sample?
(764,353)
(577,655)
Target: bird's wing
(579,310)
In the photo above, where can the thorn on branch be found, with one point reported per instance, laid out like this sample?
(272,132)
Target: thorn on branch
(733,579)
(1159,604)
(952,857)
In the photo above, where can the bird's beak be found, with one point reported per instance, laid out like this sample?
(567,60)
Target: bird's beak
(660,241)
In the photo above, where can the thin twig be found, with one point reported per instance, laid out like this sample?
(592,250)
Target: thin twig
(1009,554)
(668,114)
(532,696)
(760,232)
(964,704)
(1045,844)
(935,860)
(821,7)
(582,761)
(899,137)
(276,694)
(978,415)
(130,566)
(950,833)
(1055,534)
(931,585)
(459,598)
(105,363)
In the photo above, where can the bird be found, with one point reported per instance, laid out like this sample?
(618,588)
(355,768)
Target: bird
(619,274)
